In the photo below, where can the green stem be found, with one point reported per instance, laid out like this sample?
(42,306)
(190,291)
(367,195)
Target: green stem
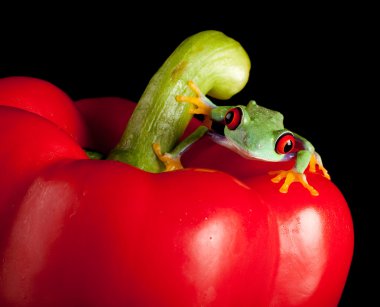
(215,62)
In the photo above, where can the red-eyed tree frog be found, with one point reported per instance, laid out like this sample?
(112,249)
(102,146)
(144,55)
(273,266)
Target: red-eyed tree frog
(254,132)
(209,62)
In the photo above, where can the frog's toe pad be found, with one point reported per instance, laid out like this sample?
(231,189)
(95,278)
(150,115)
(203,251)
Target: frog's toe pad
(290,177)
(171,162)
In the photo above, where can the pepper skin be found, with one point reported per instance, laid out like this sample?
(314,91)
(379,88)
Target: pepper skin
(76,231)
(103,233)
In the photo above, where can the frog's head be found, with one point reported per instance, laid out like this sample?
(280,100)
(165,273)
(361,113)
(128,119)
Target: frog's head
(254,132)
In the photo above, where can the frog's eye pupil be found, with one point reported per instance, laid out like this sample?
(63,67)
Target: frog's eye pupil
(233,118)
(285,143)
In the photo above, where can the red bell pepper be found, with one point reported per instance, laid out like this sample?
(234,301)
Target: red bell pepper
(83,232)
(45,99)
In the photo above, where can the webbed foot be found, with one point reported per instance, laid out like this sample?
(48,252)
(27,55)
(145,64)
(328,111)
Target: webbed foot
(290,177)
(199,102)
(316,161)
(171,162)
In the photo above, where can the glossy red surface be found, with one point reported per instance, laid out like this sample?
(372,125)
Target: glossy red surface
(45,99)
(102,233)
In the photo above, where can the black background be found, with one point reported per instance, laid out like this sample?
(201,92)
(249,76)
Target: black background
(302,66)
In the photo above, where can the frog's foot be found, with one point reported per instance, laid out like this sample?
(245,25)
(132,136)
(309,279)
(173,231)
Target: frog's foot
(200,103)
(290,177)
(316,161)
(171,162)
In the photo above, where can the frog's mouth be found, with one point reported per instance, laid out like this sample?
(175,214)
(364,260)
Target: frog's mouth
(217,128)
(223,141)
(217,134)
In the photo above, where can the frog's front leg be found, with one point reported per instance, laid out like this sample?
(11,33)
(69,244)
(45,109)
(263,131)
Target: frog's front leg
(290,177)
(317,161)
(201,104)
(172,160)
(296,174)
(306,157)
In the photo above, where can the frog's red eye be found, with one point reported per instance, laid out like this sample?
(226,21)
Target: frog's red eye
(285,143)
(233,118)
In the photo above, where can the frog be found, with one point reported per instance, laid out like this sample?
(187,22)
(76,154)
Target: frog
(252,131)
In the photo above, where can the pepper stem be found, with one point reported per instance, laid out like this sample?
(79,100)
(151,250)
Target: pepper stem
(215,62)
